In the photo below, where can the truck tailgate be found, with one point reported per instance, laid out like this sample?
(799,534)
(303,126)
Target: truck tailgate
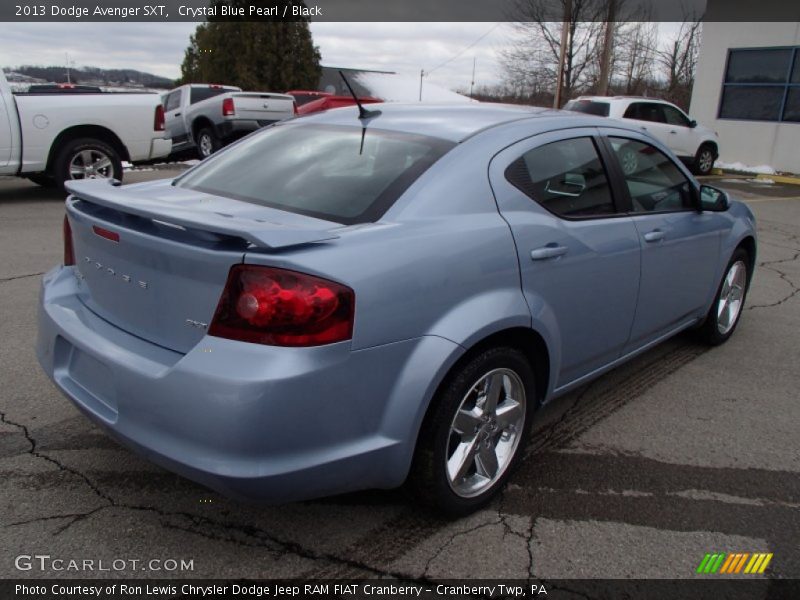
(262,106)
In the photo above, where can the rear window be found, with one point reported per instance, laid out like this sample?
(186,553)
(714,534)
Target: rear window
(337,173)
(590,107)
(306,98)
(199,94)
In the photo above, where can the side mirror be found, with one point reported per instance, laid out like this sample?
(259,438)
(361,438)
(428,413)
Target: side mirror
(692,123)
(713,199)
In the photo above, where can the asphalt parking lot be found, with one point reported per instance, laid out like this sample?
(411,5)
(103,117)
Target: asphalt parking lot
(682,452)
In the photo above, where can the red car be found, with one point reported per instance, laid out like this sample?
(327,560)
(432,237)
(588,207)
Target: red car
(310,102)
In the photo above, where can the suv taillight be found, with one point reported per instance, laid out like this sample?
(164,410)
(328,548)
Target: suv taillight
(158,122)
(276,307)
(228,109)
(69,252)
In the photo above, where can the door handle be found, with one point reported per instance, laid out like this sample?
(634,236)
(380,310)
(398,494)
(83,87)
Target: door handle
(644,128)
(675,132)
(177,114)
(654,236)
(548,252)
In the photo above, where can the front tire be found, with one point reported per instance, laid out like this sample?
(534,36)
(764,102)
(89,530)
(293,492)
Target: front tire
(726,310)
(473,436)
(86,158)
(704,160)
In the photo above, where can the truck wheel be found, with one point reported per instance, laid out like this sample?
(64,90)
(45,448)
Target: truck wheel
(86,158)
(207,142)
(42,179)
(704,160)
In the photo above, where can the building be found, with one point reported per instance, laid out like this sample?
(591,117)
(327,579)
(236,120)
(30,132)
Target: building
(747,88)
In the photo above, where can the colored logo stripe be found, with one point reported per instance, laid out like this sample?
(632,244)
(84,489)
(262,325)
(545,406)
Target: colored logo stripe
(734,563)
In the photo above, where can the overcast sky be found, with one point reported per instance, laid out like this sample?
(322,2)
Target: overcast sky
(158,47)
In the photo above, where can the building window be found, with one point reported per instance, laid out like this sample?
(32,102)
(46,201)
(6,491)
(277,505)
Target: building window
(762,84)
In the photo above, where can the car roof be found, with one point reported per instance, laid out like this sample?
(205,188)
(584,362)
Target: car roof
(455,122)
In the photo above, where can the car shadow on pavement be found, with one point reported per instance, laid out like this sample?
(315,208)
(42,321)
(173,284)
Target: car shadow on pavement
(14,190)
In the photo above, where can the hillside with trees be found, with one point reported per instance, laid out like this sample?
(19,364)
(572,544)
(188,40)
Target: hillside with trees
(95,76)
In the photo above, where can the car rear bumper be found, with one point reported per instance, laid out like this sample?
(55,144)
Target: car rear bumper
(255,422)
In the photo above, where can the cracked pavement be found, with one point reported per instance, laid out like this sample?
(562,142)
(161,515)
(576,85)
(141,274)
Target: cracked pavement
(683,451)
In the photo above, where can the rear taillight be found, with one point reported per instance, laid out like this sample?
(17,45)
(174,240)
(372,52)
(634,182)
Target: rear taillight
(264,305)
(228,109)
(69,252)
(158,122)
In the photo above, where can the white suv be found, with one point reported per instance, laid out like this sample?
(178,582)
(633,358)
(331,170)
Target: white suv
(694,144)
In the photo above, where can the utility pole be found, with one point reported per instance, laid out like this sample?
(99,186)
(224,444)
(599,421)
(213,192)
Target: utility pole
(472,83)
(563,53)
(421,75)
(605,58)
(66,54)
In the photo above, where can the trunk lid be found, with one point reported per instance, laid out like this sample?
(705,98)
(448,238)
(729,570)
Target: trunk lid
(163,278)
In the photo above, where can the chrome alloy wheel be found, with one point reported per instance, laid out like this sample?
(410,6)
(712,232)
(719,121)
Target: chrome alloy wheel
(485,432)
(206,145)
(630,162)
(705,161)
(91,164)
(731,297)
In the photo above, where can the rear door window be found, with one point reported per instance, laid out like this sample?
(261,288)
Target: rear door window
(337,173)
(565,177)
(645,111)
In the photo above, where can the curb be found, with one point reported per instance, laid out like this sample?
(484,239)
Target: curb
(789,179)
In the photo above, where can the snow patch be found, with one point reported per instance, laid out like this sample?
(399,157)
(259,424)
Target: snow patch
(403,88)
(743,168)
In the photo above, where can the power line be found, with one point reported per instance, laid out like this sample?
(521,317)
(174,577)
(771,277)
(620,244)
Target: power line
(472,45)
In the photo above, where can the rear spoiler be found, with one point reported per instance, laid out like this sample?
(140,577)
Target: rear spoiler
(262,234)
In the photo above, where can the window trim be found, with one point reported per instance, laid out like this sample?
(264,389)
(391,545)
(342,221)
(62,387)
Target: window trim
(620,177)
(613,187)
(786,85)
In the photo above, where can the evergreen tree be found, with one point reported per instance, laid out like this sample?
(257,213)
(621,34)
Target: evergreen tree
(265,55)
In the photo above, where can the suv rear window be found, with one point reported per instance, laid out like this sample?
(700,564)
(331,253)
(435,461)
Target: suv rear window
(337,173)
(590,107)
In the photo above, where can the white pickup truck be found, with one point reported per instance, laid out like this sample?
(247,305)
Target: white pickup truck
(207,116)
(51,137)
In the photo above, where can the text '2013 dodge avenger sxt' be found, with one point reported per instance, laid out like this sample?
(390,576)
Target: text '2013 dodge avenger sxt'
(355,300)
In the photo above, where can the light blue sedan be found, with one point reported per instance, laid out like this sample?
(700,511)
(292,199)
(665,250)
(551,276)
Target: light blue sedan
(341,302)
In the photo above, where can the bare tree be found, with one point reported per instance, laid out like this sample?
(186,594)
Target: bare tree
(636,47)
(678,61)
(533,60)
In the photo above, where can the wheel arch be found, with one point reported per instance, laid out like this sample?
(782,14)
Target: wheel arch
(714,146)
(748,243)
(199,123)
(86,131)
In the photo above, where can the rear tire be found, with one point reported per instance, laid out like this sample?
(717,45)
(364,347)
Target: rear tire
(704,160)
(728,305)
(207,142)
(86,158)
(453,471)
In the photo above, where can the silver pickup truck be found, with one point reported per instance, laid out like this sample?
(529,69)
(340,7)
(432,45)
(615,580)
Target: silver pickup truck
(207,116)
